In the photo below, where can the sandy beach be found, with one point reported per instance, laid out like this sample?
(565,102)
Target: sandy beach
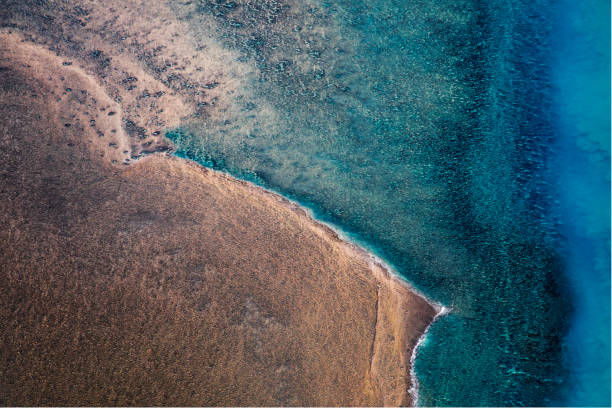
(130,276)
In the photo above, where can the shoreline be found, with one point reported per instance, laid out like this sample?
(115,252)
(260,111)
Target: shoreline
(397,288)
(414,391)
(380,269)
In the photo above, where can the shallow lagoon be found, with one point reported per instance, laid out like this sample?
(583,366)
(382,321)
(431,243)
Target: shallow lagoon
(425,131)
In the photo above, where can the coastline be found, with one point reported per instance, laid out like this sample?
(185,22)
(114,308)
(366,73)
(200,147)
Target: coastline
(382,271)
(396,308)
(414,390)
(122,73)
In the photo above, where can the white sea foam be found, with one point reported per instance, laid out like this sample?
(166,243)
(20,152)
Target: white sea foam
(414,390)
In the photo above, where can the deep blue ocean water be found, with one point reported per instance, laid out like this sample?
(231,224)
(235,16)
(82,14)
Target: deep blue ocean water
(466,143)
(581,164)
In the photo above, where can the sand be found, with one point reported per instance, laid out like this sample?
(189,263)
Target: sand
(132,277)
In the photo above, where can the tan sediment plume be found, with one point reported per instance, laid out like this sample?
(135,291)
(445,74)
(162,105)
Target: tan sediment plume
(163,282)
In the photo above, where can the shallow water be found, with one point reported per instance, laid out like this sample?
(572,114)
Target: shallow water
(428,131)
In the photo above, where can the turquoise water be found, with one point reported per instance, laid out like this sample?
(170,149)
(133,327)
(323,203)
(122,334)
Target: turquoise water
(430,131)
(582,165)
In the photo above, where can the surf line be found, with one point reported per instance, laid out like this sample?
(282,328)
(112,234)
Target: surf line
(414,389)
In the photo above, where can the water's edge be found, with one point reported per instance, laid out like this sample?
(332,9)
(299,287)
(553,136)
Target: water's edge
(350,245)
(414,390)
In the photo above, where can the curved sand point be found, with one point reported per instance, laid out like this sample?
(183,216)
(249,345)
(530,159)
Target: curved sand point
(163,282)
